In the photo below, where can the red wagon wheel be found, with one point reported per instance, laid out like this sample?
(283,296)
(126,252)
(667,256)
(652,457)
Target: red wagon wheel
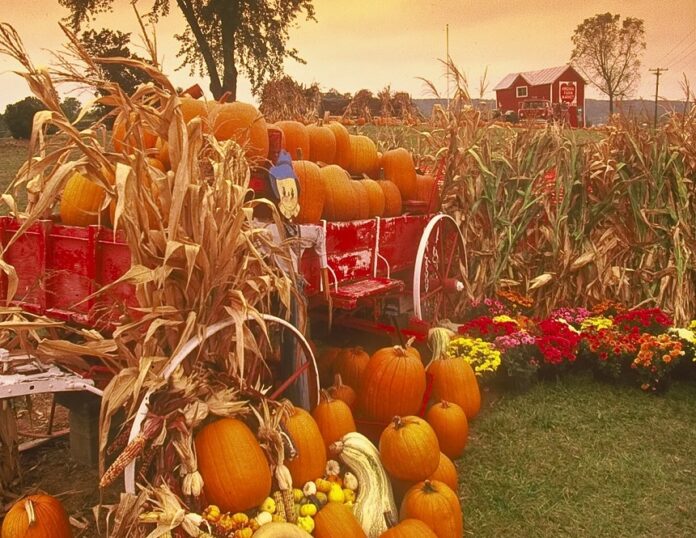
(437,274)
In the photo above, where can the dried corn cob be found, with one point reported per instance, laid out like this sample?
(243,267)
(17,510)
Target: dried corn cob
(131,452)
(280,505)
(288,501)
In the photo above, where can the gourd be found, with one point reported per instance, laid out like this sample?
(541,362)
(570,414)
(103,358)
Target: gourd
(295,137)
(409,528)
(363,203)
(36,516)
(343,151)
(363,156)
(446,472)
(451,427)
(244,124)
(436,505)
(375,197)
(336,520)
(393,384)
(351,364)
(235,472)
(375,497)
(81,201)
(333,417)
(392,198)
(310,461)
(322,144)
(409,448)
(340,391)
(340,200)
(312,192)
(455,381)
(399,168)
(278,529)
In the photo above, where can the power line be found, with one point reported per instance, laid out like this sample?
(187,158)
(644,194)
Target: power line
(684,55)
(658,71)
(677,45)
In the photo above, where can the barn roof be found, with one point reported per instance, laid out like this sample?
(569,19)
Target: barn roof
(534,78)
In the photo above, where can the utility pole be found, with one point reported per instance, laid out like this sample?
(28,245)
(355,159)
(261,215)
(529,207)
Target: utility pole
(448,62)
(657,73)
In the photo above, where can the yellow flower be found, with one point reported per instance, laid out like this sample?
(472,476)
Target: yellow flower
(597,323)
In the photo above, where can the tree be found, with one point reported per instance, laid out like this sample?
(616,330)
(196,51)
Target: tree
(108,44)
(222,37)
(71,108)
(608,53)
(19,116)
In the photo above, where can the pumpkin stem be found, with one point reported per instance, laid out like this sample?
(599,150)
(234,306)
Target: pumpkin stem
(338,381)
(444,404)
(390,519)
(299,154)
(336,447)
(428,487)
(325,397)
(399,351)
(31,514)
(398,422)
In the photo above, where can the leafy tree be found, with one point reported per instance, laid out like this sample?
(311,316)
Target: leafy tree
(108,44)
(222,37)
(19,116)
(608,52)
(71,108)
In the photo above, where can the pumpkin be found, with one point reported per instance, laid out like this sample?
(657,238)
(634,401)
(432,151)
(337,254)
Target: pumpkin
(235,472)
(343,150)
(409,528)
(325,363)
(451,427)
(81,201)
(398,167)
(36,516)
(392,198)
(363,156)
(334,419)
(163,153)
(454,380)
(436,505)
(310,461)
(375,197)
(124,137)
(363,203)
(343,392)
(193,108)
(322,144)
(409,448)
(336,520)
(393,384)
(312,192)
(351,364)
(244,124)
(446,472)
(426,187)
(340,200)
(295,139)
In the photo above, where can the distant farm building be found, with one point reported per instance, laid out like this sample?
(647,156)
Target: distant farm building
(563,86)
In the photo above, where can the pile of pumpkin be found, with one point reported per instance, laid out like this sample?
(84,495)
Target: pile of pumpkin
(325,157)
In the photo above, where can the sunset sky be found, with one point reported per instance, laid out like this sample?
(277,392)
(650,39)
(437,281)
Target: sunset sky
(368,44)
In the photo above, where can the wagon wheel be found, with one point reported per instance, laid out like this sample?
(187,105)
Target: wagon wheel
(306,372)
(437,276)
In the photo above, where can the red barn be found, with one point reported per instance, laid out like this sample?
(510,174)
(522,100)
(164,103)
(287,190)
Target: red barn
(563,86)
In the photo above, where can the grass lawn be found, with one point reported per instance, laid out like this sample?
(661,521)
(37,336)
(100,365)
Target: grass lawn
(581,458)
(13,153)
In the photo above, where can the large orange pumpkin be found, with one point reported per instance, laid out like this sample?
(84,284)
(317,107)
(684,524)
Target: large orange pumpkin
(392,198)
(36,516)
(409,449)
(322,144)
(340,391)
(426,187)
(295,139)
(235,472)
(398,167)
(310,462)
(451,427)
(363,202)
(446,472)
(363,156)
(455,381)
(124,135)
(393,384)
(409,528)
(436,505)
(81,201)
(351,364)
(193,108)
(343,151)
(243,123)
(375,197)
(312,192)
(340,201)
(334,419)
(336,520)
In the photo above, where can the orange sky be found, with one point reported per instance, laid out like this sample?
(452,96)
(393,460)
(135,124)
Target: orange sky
(368,44)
